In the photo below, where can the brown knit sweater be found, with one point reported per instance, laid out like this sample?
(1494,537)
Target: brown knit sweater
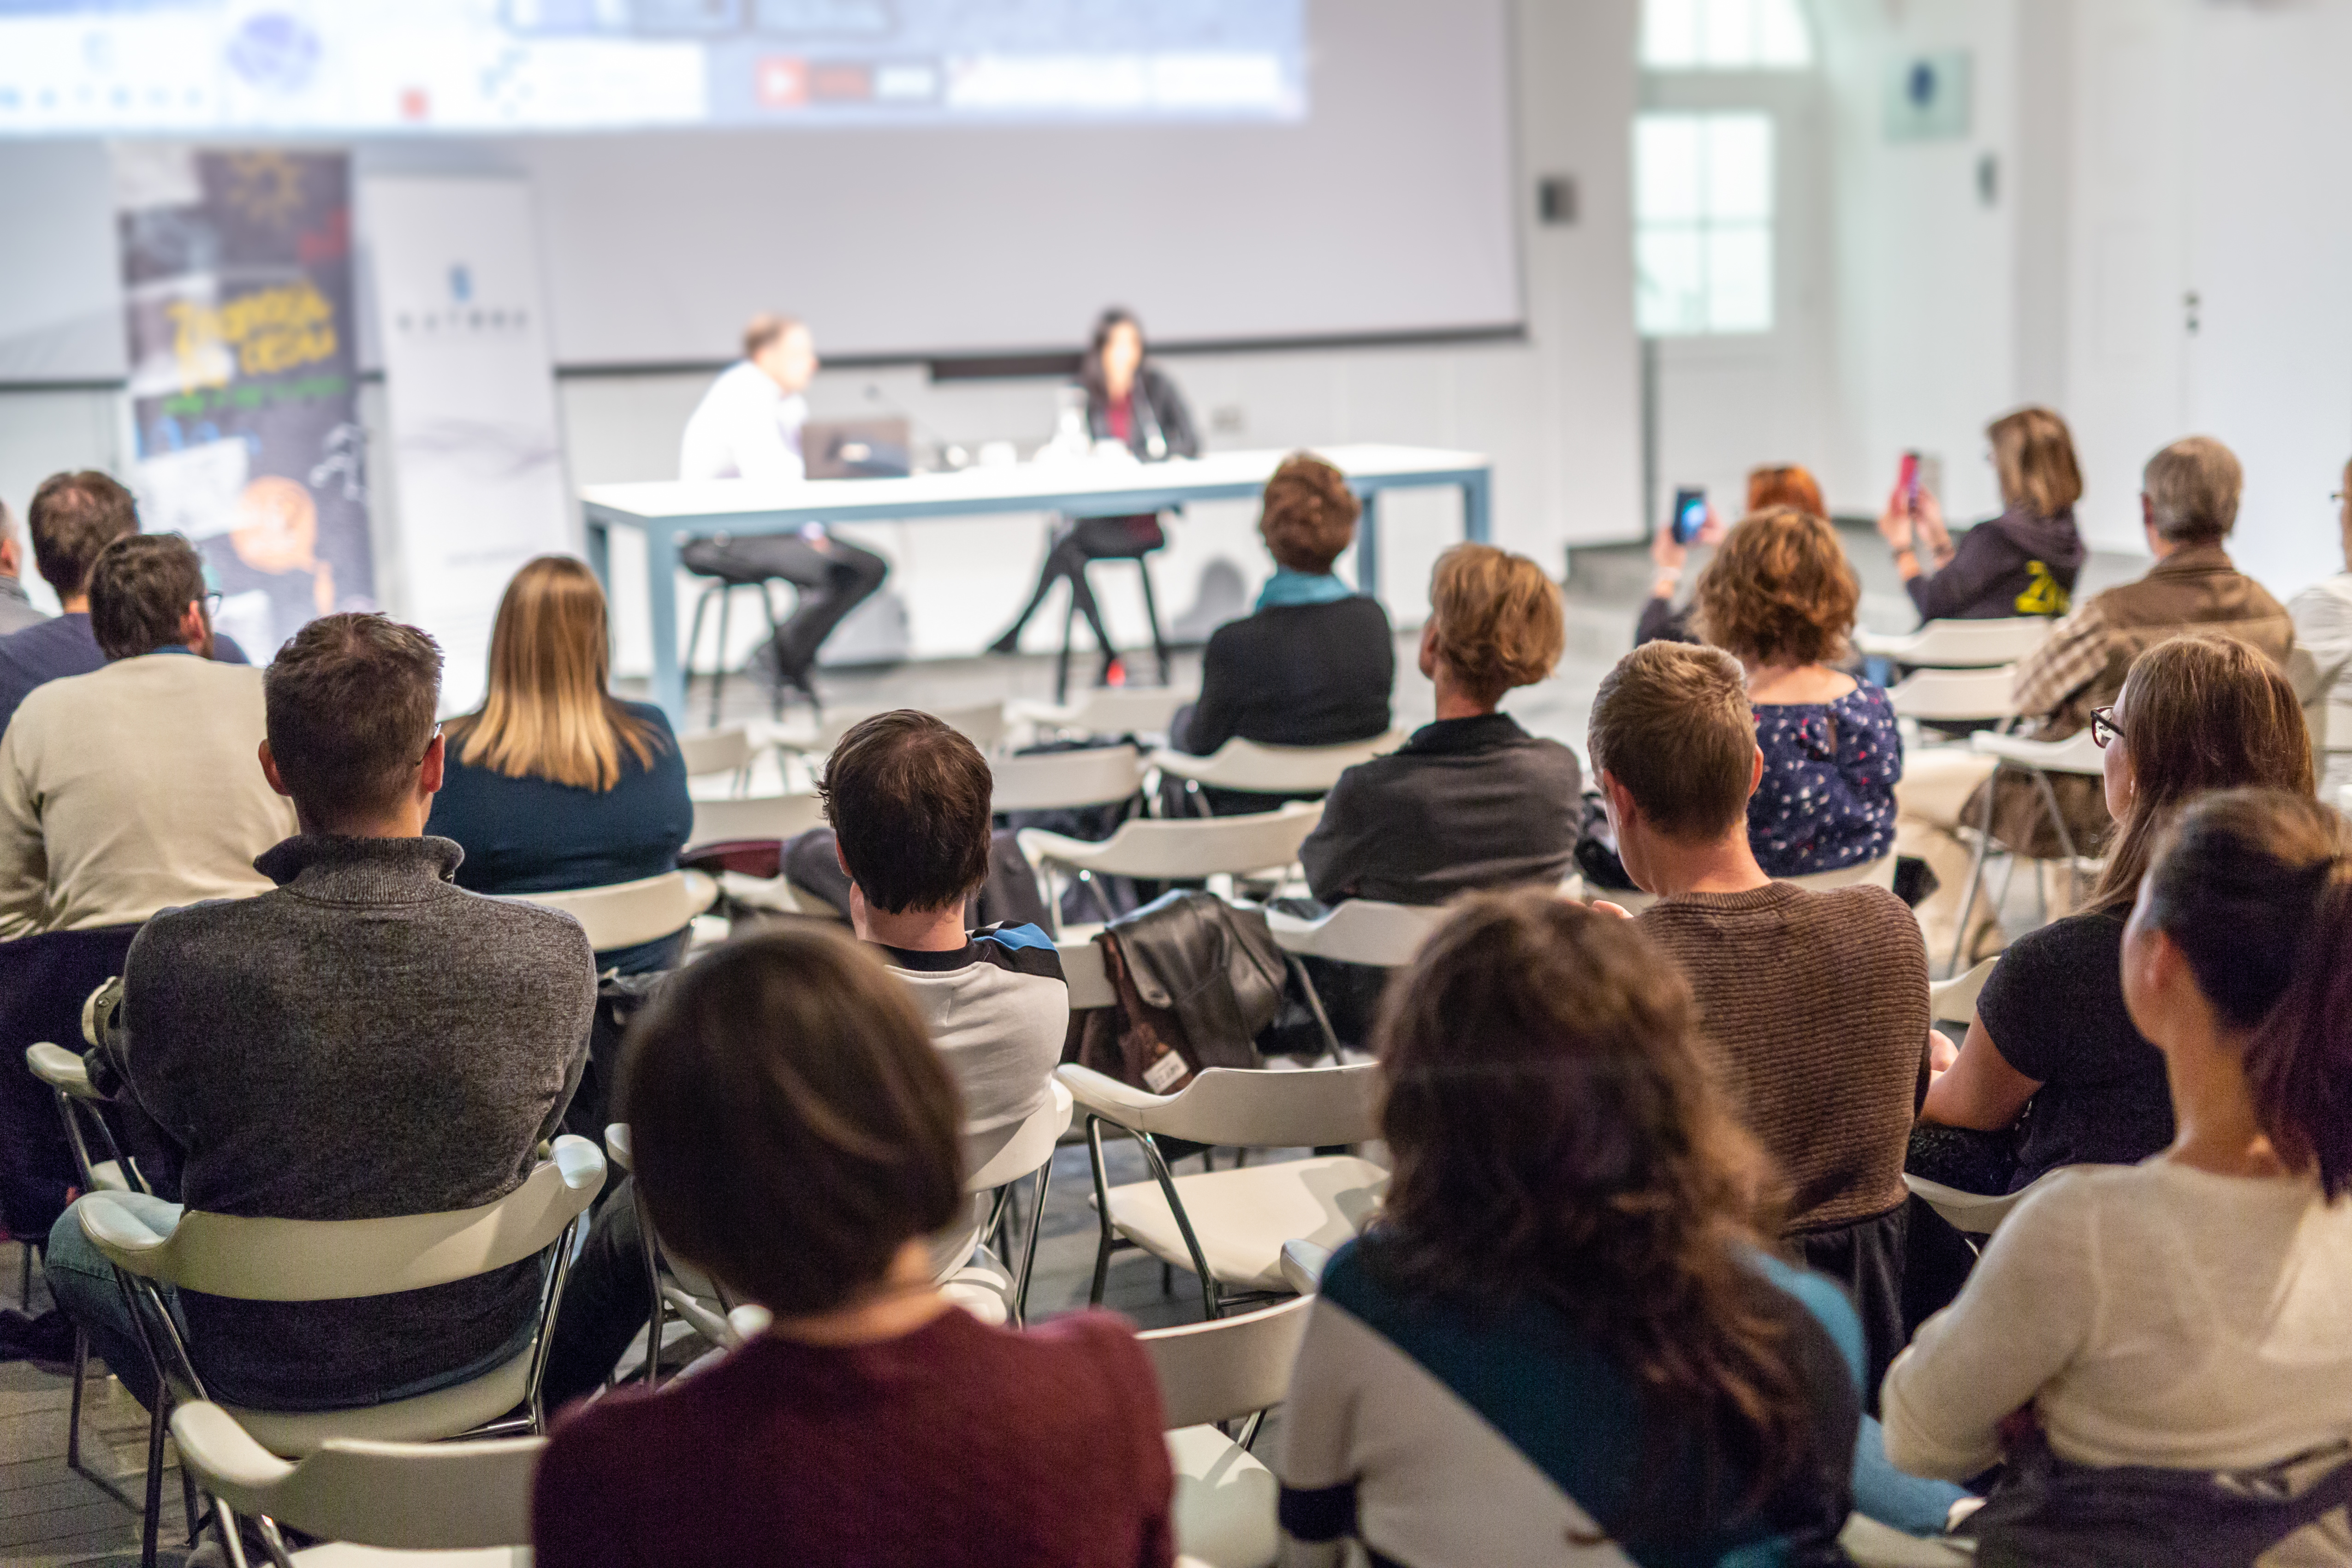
(1814,1007)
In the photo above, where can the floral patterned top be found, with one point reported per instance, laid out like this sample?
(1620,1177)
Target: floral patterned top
(1827,798)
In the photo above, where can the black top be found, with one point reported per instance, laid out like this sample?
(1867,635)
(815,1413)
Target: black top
(1297,674)
(2017,564)
(2054,1005)
(1466,802)
(1156,403)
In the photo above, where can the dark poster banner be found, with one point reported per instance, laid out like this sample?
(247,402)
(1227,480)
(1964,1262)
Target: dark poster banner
(238,292)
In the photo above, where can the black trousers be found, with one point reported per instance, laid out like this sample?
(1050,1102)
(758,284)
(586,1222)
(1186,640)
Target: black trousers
(1091,539)
(44,981)
(834,576)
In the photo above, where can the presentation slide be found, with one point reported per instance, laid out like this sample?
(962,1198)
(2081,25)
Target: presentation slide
(376,67)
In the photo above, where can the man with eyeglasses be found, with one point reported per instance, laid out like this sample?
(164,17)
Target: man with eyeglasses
(124,791)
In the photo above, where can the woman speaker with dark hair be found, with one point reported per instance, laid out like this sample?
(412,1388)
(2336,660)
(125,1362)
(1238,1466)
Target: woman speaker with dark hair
(1131,401)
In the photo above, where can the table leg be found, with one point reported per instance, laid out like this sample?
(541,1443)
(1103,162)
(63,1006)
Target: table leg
(1477,522)
(661,578)
(1367,546)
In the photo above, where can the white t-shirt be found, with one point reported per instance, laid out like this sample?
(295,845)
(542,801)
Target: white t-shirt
(745,427)
(2152,1314)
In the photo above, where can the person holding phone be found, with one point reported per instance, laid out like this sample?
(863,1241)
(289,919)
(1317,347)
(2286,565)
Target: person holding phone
(1774,484)
(2023,562)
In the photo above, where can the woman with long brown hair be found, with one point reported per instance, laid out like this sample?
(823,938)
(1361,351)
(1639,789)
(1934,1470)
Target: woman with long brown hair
(2051,1029)
(1559,1330)
(2023,562)
(2159,1353)
(555,783)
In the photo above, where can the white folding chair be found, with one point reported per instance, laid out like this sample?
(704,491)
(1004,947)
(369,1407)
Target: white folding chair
(982,723)
(1055,781)
(254,1260)
(1230,1369)
(1954,1001)
(1878,873)
(760,816)
(1875,1545)
(728,750)
(1972,1213)
(1228,1227)
(1956,695)
(1959,645)
(394,1505)
(1172,849)
(1355,930)
(2078,755)
(1105,711)
(623,914)
(1240,764)
(997,1161)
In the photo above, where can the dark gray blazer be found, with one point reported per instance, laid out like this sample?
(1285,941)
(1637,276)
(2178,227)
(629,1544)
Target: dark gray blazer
(366,1040)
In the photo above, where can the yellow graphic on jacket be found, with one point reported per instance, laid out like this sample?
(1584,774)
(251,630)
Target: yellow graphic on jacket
(2042,596)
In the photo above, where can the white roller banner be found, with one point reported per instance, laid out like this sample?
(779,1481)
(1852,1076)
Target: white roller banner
(478,450)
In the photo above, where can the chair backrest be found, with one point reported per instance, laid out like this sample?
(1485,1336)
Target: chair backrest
(1963,645)
(757,817)
(1228,1367)
(2078,753)
(1110,710)
(627,913)
(1088,977)
(715,751)
(1878,873)
(1956,695)
(1235,1108)
(1052,781)
(1030,1145)
(981,723)
(1276,769)
(402,1497)
(61,1070)
(252,1259)
(1190,848)
(1360,931)
(1971,1214)
(1954,1001)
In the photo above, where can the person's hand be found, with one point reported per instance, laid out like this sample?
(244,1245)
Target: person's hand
(1894,523)
(1930,520)
(1606,907)
(1665,551)
(1712,530)
(1941,1053)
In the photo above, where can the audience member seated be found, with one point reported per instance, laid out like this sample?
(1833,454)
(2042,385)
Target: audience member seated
(1781,596)
(795,1133)
(1813,1006)
(1314,664)
(16,611)
(2322,664)
(553,782)
(72,518)
(122,791)
(1560,1327)
(366,1039)
(2023,562)
(908,798)
(1783,484)
(1472,800)
(2159,1353)
(2187,506)
(2052,1031)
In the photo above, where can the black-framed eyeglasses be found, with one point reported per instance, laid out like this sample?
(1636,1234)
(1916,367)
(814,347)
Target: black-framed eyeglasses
(428,745)
(2103,728)
(211,603)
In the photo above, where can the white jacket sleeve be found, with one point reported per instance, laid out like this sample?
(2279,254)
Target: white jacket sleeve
(2028,1310)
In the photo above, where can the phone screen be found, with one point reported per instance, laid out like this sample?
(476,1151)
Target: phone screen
(1907,481)
(1690,512)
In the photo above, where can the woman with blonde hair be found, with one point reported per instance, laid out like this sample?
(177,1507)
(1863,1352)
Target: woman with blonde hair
(1780,597)
(555,784)
(2023,562)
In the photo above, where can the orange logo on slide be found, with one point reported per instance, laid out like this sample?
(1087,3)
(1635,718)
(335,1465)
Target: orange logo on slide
(782,82)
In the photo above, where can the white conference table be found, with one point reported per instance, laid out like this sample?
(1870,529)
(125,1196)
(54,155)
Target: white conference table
(670,512)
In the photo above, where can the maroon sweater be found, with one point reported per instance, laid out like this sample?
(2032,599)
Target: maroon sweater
(957,1446)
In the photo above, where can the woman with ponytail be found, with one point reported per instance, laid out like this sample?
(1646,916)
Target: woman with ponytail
(2163,1350)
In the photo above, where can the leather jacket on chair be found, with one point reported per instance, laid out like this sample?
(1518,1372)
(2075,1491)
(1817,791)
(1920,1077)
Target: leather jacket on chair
(1197,979)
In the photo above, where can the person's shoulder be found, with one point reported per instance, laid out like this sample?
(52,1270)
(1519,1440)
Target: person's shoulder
(1019,949)
(2065,940)
(537,932)
(1868,699)
(647,714)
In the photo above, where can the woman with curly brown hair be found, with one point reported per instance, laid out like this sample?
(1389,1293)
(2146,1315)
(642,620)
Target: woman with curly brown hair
(1313,665)
(1780,597)
(1560,1332)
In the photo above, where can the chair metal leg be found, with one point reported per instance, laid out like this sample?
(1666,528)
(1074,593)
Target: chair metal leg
(1315,1006)
(719,664)
(1152,614)
(1102,1210)
(154,1516)
(1209,1304)
(776,697)
(24,1277)
(189,1514)
(694,636)
(654,1324)
(1062,664)
(1029,1246)
(73,1410)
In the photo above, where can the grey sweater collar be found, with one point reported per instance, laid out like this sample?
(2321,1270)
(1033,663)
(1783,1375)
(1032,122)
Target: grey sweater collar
(338,870)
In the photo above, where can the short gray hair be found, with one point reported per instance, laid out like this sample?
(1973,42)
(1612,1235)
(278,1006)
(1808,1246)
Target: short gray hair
(2193,490)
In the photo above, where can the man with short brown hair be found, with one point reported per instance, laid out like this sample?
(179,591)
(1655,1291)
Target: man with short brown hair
(1813,1005)
(365,1040)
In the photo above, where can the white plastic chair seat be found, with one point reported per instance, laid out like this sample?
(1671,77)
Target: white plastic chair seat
(1303,1263)
(1954,1001)
(1960,644)
(1242,1218)
(1358,930)
(1224,1509)
(1242,765)
(342,1554)
(774,895)
(623,914)
(757,817)
(1970,1214)
(1108,711)
(1875,1545)
(715,751)
(1956,695)
(1056,781)
(1183,849)
(60,1068)
(2077,753)
(427,1417)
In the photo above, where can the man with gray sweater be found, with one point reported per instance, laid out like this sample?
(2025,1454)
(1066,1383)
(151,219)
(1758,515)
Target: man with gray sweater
(365,1040)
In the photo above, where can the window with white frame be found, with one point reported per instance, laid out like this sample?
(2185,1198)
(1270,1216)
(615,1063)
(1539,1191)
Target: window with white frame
(1702,223)
(1725,35)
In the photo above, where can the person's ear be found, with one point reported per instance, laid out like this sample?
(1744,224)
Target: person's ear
(1428,659)
(193,632)
(12,558)
(269,771)
(434,767)
(1617,802)
(1756,772)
